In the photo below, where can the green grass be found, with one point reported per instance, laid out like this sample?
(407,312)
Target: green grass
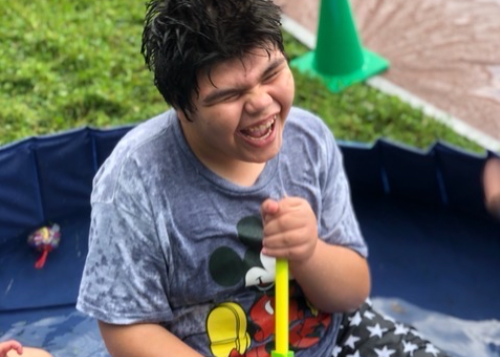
(67,64)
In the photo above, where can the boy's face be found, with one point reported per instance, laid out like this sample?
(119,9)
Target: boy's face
(241,111)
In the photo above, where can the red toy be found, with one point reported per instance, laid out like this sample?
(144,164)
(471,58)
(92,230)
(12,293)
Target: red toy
(45,240)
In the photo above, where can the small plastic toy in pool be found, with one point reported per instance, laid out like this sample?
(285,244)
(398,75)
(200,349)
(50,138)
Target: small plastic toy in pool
(45,239)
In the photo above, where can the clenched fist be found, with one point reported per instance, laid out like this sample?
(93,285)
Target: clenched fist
(290,229)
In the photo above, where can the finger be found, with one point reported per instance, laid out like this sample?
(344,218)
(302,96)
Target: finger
(276,252)
(293,202)
(285,223)
(269,207)
(15,345)
(11,345)
(289,253)
(281,240)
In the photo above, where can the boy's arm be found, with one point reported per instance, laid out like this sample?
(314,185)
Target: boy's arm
(491,182)
(334,278)
(143,340)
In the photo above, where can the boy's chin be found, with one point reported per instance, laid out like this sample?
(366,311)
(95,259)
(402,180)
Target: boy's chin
(263,158)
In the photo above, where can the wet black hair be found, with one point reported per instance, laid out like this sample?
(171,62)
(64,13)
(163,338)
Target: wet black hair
(181,38)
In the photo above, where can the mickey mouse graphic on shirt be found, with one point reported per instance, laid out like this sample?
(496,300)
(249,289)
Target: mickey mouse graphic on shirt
(231,330)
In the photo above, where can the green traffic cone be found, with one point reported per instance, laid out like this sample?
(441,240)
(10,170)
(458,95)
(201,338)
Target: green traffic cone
(339,58)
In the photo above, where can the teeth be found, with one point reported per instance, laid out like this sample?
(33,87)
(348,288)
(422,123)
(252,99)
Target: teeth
(260,132)
(264,126)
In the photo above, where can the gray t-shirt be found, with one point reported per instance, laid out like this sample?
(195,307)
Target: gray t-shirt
(173,243)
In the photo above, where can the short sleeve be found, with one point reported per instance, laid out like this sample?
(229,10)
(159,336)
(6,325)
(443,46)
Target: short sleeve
(338,223)
(125,278)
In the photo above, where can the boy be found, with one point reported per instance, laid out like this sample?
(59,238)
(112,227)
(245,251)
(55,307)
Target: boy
(192,207)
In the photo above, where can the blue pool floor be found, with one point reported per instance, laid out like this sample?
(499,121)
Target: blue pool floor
(431,267)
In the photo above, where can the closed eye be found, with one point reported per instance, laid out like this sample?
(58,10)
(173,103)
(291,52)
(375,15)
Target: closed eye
(221,96)
(268,78)
(231,96)
(273,70)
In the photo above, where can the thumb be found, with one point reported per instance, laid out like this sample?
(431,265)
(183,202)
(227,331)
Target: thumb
(269,207)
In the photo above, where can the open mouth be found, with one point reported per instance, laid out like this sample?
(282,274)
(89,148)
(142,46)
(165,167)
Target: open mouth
(260,132)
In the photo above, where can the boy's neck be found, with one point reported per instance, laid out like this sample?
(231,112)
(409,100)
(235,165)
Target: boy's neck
(240,173)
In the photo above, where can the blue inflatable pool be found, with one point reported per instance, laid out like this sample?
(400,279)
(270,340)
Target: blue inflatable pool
(434,251)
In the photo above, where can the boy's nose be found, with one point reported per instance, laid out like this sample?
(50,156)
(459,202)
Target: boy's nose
(257,101)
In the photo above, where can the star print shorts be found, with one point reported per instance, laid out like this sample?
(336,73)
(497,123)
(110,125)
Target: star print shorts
(367,333)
